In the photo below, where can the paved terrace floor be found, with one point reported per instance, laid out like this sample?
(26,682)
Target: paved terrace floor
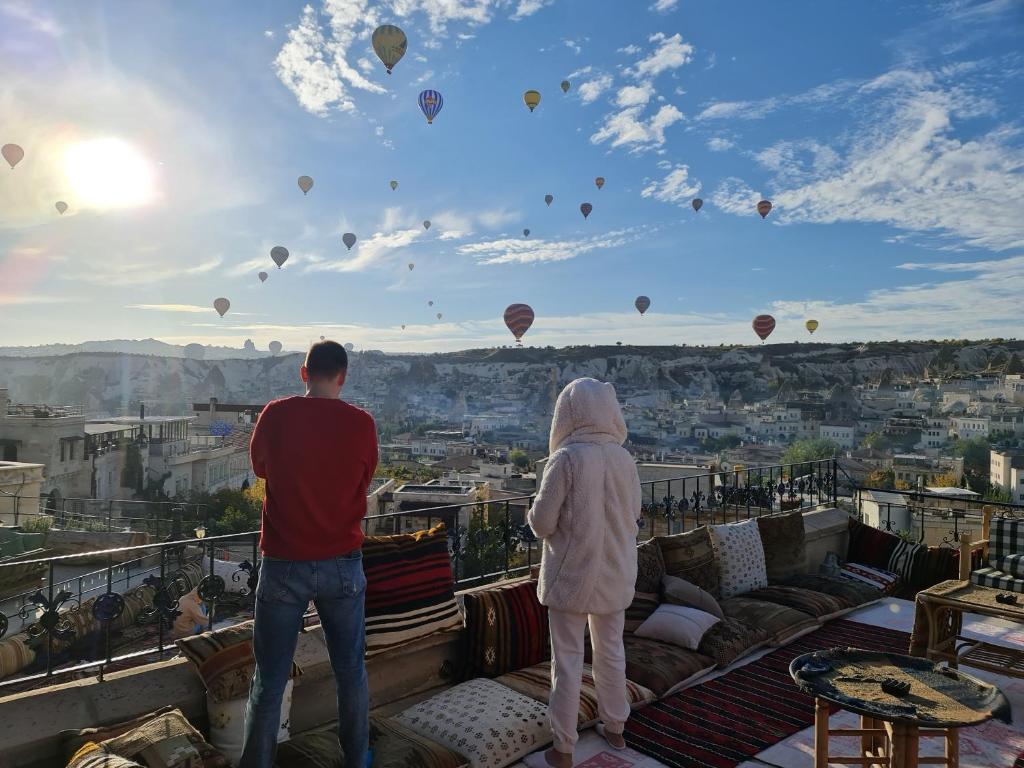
(992,745)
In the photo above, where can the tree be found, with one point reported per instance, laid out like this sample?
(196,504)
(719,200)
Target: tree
(230,510)
(883,479)
(803,451)
(715,444)
(519,458)
(947,480)
(877,441)
(975,451)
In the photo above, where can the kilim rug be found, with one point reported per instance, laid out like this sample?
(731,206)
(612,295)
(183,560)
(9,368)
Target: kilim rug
(721,723)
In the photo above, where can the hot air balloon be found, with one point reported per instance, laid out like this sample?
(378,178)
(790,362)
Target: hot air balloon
(518,319)
(532,99)
(549,199)
(426,223)
(763,326)
(439,315)
(565,86)
(394,185)
(349,346)
(61,206)
(811,326)
(389,43)
(322,338)
(764,208)
(526,233)
(599,181)
(222,305)
(349,240)
(411,266)
(642,304)
(403,327)
(194,351)
(431,103)
(430,303)
(279,254)
(12,154)
(697,203)
(305,183)
(275,347)
(263,277)
(585,209)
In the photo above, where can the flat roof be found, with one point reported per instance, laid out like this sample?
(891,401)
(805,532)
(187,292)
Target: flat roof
(135,421)
(947,490)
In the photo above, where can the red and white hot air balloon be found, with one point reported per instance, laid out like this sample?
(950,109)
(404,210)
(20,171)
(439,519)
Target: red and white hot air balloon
(763,326)
(518,319)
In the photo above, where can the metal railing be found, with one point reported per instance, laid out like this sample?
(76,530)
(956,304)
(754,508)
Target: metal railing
(39,411)
(14,506)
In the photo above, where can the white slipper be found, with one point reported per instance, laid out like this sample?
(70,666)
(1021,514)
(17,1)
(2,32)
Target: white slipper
(604,735)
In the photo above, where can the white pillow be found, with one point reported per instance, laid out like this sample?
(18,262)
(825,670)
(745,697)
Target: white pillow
(740,557)
(227,723)
(677,624)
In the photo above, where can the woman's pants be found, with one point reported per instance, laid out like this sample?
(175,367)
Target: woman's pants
(609,667)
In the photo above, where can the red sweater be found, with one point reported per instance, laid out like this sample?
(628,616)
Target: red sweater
(318,457)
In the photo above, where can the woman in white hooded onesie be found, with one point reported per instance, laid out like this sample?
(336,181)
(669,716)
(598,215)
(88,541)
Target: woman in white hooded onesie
(586,514)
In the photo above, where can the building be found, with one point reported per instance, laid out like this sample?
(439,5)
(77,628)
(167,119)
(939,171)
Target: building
(213,417)
(1006,472)
(915,470)
(885,510)
(20,489)
(406,501)
(969,426)
(842,433)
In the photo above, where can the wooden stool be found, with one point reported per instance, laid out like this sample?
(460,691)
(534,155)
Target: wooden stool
(882,744)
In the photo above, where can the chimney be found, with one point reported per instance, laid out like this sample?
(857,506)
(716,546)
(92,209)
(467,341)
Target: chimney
(5,400)
(142,411)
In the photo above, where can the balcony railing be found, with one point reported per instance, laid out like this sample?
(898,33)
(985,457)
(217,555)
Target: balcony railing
(38,411)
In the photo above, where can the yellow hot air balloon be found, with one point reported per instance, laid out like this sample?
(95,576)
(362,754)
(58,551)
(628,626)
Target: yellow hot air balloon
(811,326)
(532,99)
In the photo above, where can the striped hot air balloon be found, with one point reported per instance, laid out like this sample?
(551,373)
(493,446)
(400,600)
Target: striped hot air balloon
(431,103)
(764,208)
(763,326)
(518,319)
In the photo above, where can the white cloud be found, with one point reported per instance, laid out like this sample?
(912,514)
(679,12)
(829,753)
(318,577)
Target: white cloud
(268,33)
(630,50)
(376,250)
(22,300)
(528,8)
(720,144)
(581,71)
(573,45)
(664,6)
(119,269)
(757,109)
(627,128)
(183,308)
(635,95)
(366,65)
(522,251)
(670,53)
(592,89)
(677,187)
(735,196)
(497,217)
(32,17)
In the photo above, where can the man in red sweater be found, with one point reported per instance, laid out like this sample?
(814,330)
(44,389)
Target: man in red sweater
(318,455)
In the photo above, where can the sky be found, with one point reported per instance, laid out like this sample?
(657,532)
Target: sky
(888,137)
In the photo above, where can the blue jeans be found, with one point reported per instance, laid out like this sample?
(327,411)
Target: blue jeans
(338,589)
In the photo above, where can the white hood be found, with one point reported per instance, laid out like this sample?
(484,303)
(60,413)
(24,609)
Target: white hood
(587,411)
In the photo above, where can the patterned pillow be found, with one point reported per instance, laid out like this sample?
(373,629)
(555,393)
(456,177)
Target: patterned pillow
(92,755)
(740,557)
(681,592)
(901,561)
(490,724)
(409,588)
(650,566)
(784,543)
(506,629)
(870,546)
(643,605)
(661,667)
(729,640)
(817,604)
(932,565)
(691,556)
(873,577)
(73,740)
(854,593)
(678,624)
(167,741)
(1011,564)
(15,655)
(781,623)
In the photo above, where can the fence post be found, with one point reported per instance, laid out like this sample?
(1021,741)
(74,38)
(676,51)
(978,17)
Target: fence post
(835,482)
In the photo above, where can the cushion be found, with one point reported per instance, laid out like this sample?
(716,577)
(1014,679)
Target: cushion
(662,667)
(506,629)
(729,640)
(535,682)
(224,660)
(227,723)
(650,566)
(783,540)
(677,624)
(318,748)
(740,557)
(990,577)
(490,724)
(410,592)
(643,605)
(1005,538)
(781,623)
(73,740)
(1011,564)
(932,565)
(870,546)
(15,655)
(817,604)
(92,755)
(874,577)
(901,561)
(681,592)
(166,741)
(691,556)
(854,592)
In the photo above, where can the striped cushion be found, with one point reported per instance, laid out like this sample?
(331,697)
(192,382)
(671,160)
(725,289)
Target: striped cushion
(535,682)
(874,577)
(901,561)
(661,667)
(643,605)
(1012,564)
(781,623)
(155,742)
(15,655)
(1006,538)
(92,755)
(395,746)
(990,577)
(507,629)
(816,604)
(409,588)
(855,593)
(870,546)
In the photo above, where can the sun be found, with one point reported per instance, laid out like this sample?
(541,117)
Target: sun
(109,173)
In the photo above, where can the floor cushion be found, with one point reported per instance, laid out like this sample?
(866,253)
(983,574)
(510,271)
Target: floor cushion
(661,667)
(855,593)
(490,724)
(881,579)
(869,545)
(643,605)
(691,556)
(781,623)
(506,629)
(74,739)
(931,566)
(818,604)
(680,625)
(784,543)
(901,561)
(15,655)
(681,592)
(166,741)
(92,755)
(535,682)
(227,723)
(650,566)
(740,558)
(730,640)
(990,577)
(410,590)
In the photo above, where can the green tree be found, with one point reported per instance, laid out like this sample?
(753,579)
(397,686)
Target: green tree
(483,547)
(877,441)
(810,450)
(975,451)
(715,444)
(883,479)
(519,458)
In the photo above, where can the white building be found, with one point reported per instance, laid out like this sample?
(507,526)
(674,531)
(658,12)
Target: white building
(969,426)
(1006,471)
(842,433)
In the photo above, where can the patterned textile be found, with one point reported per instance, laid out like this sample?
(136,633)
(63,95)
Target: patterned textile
(901,561)
(853,592)
(816,604)
(1006,537)
(92,755)
(990,577)
(147,742)
(73,740)
(227,723)
(873,577)
(870,546)
(931,566)
(643,605)
(318,748)
(784,543)
(723,722)
(15,655)
(678,624)
(740,557)
(650,566)
(691,556)
(680,592)
(781,623)
(490,724)
(535,682)
(224,660)
(506,629)
(409,588)
(1011,564)
(661,667)
(729,640)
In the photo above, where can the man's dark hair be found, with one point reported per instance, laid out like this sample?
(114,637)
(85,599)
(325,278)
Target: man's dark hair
(326,359)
